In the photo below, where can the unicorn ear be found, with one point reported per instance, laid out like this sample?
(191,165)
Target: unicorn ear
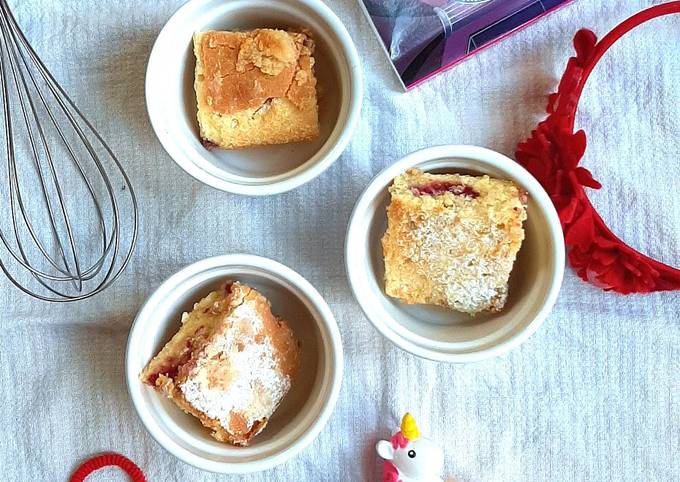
(385,449)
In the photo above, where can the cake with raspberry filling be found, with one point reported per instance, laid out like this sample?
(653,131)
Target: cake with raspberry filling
(256,87)
(452,240)
(230,364)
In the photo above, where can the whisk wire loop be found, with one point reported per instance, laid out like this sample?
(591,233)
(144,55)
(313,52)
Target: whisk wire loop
(55,132)
(18,75)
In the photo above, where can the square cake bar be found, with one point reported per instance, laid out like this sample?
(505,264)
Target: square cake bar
(255,88)
(452,240)
(230,364)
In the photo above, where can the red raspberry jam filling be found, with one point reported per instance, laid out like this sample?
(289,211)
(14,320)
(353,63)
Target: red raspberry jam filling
(438,188)
(173,365)
(169,370)
(210,145)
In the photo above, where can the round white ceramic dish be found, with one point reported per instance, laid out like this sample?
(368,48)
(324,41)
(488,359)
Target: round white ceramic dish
(305,409)
(437,333)
(171,99)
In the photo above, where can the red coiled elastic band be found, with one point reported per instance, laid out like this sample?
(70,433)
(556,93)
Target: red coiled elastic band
(108,460)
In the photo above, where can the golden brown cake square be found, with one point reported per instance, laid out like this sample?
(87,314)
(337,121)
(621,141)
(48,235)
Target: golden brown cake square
(230,364)
(255,88)
(452,240)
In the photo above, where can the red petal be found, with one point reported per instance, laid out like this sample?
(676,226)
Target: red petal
(586,178)
(577,261)
(578,144)
(605,256)
(566,209)
(615,278)
(631,266)
(580,232)
(584,43)
(604,241)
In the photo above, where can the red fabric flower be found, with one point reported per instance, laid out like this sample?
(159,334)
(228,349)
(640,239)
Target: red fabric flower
(553,153)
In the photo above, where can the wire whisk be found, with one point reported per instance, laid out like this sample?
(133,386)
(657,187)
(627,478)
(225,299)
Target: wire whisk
(68,212)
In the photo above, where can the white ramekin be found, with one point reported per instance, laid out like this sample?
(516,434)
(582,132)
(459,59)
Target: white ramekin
(440,334)
(171,100)
(303,412)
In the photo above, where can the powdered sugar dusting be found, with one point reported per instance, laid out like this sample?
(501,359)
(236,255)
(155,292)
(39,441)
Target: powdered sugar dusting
(455,254)
(253,385)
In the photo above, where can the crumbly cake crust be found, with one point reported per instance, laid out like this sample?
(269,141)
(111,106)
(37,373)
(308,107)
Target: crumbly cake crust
(255,88)
(452,240)
(230,364)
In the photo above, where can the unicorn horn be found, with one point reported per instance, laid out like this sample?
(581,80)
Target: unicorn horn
(409,428)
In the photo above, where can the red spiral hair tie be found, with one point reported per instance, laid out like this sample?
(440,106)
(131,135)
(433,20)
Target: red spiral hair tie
(108,460)
(552,155)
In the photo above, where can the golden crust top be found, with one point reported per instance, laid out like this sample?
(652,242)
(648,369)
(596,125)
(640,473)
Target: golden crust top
(243,70)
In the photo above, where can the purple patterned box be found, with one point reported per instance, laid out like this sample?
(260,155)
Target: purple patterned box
(424,37)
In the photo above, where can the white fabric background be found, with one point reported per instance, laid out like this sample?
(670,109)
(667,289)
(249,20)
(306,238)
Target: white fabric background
(594,395)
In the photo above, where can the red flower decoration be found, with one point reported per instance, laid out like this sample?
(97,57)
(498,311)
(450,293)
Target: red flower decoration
(552,154)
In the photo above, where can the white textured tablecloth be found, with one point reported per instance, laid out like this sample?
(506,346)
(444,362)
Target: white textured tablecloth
(594,395)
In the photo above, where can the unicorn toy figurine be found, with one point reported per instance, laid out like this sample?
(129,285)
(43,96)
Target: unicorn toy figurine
(409,457)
